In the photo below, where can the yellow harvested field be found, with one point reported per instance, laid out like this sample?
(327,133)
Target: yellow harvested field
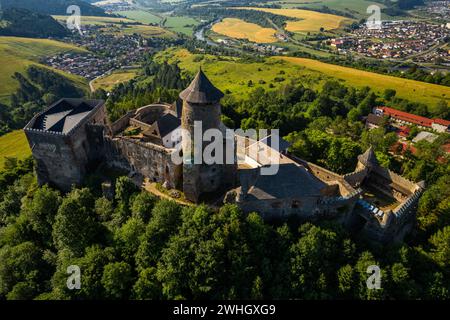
(237,28)
(413,90)
(309,21)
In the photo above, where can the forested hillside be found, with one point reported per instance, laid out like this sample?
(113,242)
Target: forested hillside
(38,88)
(53,7)
(24,23)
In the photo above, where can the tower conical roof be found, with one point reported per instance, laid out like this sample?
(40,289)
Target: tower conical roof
(368,158)
(201,90)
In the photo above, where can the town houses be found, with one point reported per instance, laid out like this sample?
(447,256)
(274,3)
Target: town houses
(396,40)
(401,117)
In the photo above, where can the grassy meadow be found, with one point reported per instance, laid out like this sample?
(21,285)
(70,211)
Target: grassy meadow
(418,91)
(308,21)
(117,26)
(93,20)
(13,145)
(108,82)
(237,28)
(17,54)
(140,16)
(234,75)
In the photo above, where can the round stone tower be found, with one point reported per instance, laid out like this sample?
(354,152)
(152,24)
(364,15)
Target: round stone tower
(201,104)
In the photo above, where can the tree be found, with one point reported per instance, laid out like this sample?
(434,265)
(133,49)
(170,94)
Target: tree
(389,94)
(75,227)
(346,281)
(441,247)
(21,264)
(313,259)
(127,238)
(142,206)
(125,188)
(41,211)
(147,286)
(163,223)
(117,280)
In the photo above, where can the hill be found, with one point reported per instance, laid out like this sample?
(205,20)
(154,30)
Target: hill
(24,23)
(307,20)
(17,54)
(53,6)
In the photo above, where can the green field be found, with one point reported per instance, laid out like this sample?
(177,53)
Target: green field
(92,20)
(230,74)
(13,145)
(108,82)
(140,16)
(181,24)
(16,54)
(113,25)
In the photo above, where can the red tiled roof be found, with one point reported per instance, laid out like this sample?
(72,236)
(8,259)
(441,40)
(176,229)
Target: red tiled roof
(405,116)
(403,131)
(442,122)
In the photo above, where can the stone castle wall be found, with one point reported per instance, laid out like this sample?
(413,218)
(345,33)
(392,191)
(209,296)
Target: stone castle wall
(151,161)
(62,159)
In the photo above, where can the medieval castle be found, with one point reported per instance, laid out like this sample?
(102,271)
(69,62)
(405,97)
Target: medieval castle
(73,136)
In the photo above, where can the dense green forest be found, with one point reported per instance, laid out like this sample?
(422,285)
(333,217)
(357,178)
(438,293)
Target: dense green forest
(135,246)
(38,88)
(53,7)
(24,23)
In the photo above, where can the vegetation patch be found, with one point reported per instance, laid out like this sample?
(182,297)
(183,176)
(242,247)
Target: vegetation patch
(109,81)
(13,145)
(420,91)
(309,21)
(17,54)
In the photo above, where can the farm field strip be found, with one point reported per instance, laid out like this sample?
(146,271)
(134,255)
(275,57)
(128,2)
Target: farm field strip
(309,21)
(237,28)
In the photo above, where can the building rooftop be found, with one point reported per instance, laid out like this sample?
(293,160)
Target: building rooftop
(424,135)
(408,117)
(201,90)
(368,157)
(167,123)
(63,115)
(291,181)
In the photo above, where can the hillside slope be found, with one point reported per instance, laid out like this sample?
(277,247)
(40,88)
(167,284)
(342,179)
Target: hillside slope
(53,6)
(16,54)
(24,23)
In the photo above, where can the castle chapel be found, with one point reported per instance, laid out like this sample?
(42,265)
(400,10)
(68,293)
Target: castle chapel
(73,136)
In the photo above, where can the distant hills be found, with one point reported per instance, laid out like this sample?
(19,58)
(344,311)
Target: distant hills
(53,7)
(24,23)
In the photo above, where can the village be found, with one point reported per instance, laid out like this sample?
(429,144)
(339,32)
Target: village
(398,40)
(106,52)
(410,129)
